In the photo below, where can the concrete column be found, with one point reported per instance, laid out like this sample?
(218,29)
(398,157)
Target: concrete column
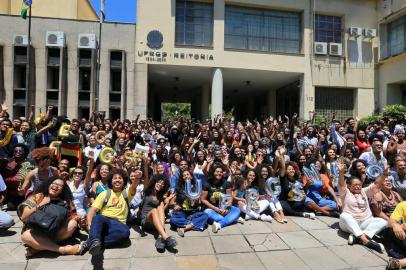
(41,68)
(8,77)
(218,26)
(307,96)
(217,93)
(271,102)
(364,102)
(104,87)
(141,89)
(73,85)
(130,88)
(204,102)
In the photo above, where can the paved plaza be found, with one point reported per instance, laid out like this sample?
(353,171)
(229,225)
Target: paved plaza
(299,244)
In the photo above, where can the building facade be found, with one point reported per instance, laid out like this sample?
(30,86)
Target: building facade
(255,58)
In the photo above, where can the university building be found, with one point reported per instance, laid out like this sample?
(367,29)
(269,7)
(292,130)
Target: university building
(257,57)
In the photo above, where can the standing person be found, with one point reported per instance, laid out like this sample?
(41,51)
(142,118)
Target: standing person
(357,218)
(108,228)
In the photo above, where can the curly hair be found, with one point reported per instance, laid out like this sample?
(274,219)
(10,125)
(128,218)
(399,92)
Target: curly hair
(295,167)
(66,194)
(151,186)
(98,168)
(123,174)
(42,152)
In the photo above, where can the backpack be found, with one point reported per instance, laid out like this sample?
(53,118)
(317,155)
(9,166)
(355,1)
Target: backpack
(125,195)
(49,218)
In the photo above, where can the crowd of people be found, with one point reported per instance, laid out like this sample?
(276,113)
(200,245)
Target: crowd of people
(101,175)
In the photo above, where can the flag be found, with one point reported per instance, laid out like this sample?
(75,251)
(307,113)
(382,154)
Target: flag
(25,6)
(102,14)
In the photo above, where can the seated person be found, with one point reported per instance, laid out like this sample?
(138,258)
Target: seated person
(6,221)
(356,217)
(186,215)
(152,210)
(108,228)
(398,226)
(52,190)
(385,201)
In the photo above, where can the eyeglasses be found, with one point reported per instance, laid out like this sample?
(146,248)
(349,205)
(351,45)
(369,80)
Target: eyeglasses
(57,185)
(77,173)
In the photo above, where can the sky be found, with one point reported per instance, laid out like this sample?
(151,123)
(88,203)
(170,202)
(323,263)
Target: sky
(117,10)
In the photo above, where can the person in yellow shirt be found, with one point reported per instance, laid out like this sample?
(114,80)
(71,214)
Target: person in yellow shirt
(398,225)
(109,228)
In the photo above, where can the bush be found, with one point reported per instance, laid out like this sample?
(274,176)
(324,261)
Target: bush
(395,111)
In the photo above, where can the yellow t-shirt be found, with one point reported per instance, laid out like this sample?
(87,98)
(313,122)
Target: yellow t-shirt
(116,207)
(399,214)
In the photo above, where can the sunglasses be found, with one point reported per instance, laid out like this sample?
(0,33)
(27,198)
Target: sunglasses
(77,173)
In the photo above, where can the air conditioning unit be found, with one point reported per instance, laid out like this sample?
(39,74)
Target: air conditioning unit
(87,41)
(20,40)
(369,32)
(336,49)
(320,48)
(55,39)
(355,31)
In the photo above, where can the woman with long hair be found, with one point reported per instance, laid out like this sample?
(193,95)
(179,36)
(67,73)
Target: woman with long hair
(52,190)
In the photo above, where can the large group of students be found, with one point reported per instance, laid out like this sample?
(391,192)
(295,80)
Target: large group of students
(100,176)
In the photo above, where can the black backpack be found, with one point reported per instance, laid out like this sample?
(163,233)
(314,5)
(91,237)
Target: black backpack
(49,218)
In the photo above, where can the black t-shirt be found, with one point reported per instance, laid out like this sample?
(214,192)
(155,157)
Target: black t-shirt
(215,191)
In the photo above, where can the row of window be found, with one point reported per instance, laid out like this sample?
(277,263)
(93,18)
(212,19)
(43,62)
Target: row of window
(249,28)
(397,36)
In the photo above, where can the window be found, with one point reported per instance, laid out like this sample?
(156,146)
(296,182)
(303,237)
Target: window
(194,23)
(262,30)
(338,100)
(397,36)
(328,29)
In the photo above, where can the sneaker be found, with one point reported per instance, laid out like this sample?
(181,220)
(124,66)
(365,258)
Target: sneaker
(285,220)
(170,242)
(334,214)
(266,218)
(309,215)
(95,248)
(351,239)
(160,245)
(375,246)
(240,220)
(181,232)
(84,247)
(248,217)
(215,227)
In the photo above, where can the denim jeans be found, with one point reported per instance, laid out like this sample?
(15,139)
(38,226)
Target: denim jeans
(109,231)
(224,221)
(182,218)
(6,221)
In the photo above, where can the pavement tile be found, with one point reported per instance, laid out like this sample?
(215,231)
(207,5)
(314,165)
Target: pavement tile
(321,258)
(286,227)
(202,262)
(329,237)
(230,244)
(194,246)
(73,265)
(159,263)
(238,261)
(103,264)
(12,253)
(282,260)
(12,235)
(14,266)
(254,226)
(120,253)
(145,247)
(330,221)
(229,230)
(309,224)
(261,242)
(357,256)
(299,240)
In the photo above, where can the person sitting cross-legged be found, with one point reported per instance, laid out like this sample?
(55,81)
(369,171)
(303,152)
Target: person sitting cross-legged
(108,228)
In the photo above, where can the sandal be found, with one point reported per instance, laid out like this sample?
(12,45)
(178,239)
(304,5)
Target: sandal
(70,250)
(30,252)
(393,264)
(181,232)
